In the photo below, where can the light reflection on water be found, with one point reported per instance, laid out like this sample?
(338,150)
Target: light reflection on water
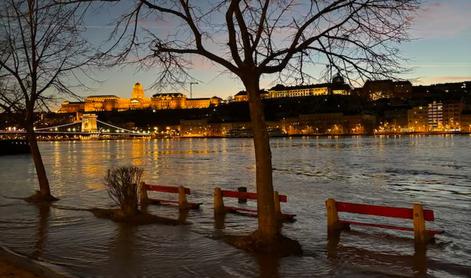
(395,171)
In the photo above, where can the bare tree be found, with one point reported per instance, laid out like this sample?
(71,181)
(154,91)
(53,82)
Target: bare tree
(122,184)
(41,52)
(251,39)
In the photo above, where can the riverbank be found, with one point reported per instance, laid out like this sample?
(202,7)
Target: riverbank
(8,269)
(317,135)
(16,265)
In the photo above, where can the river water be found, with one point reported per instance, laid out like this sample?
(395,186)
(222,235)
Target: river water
(396,171)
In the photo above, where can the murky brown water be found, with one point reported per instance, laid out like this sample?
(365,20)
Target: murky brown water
(398,171)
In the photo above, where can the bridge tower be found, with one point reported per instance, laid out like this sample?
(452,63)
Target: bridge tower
(89,123)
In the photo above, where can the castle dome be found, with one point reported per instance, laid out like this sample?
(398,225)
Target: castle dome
(137,91)
(338,79)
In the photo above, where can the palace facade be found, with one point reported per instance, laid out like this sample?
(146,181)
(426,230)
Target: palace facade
(336,87)
(138,101)
(180,101)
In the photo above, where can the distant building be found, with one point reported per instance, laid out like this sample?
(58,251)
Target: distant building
(418,119)
(328,123)
(168,101)
(99,103)
(436,116)
(466,122)
(138,101)
(336,87)
(452,114)
(385,89)
(243,96)
(180,101)
(72,107)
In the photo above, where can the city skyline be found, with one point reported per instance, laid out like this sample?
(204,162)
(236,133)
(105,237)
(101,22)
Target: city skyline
(437,53)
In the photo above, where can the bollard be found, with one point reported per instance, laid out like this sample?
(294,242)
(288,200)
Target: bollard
(182,202)
(420,233)
(242,189)
(218,201)
(143,197)
(332,217)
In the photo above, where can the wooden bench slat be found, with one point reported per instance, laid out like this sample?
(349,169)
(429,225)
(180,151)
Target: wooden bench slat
(173,203)
(254,212)
(240,209)
(163,201)
(385,226)
(165,188)
(395,212)
(376,225)
(236,194)
(247,195)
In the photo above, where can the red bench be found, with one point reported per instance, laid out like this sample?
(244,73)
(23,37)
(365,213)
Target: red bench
(182,202)
(417,213)
(219,206)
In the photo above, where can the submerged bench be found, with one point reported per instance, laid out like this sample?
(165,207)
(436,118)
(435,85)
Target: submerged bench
(220,208)
(182,202)
(417,213)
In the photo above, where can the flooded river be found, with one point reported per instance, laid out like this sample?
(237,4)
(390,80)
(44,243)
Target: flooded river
(396,171)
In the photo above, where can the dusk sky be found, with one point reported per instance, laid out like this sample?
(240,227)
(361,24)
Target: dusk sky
(438,52)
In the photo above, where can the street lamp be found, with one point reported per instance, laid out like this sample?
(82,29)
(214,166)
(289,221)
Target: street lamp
(191,88)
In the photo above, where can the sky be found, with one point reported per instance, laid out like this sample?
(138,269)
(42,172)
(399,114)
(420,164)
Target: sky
(439,51)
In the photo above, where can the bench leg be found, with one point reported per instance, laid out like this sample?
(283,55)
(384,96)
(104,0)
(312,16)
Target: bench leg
(334,227)
(276,200)
(182,202)
(420,233)
(143,197)
(242,189)
(182,216)
(218,201)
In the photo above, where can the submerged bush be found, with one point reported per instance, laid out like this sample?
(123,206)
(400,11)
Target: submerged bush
(122,184)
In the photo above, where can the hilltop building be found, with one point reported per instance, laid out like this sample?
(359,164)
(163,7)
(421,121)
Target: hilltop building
(138,101)
(180,101)
(336,87)
(242,96)
(72,107)
(385,89)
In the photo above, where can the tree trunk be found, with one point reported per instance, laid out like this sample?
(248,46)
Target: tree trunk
(44,190)
(267,221)
(129,206)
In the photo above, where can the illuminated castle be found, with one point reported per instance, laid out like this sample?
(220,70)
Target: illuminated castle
(137,101)
(137,91)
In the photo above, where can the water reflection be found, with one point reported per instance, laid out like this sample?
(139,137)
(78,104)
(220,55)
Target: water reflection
(123,258)
(219,221)
(268,266)
(44,211)
(387,260)
(137,152)
(182,216)
(377,170)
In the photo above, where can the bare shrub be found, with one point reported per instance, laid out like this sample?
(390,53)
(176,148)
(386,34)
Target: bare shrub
(122,184)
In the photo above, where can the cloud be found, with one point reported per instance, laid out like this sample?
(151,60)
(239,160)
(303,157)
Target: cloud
(466,66)
(442,79)
(442,19)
